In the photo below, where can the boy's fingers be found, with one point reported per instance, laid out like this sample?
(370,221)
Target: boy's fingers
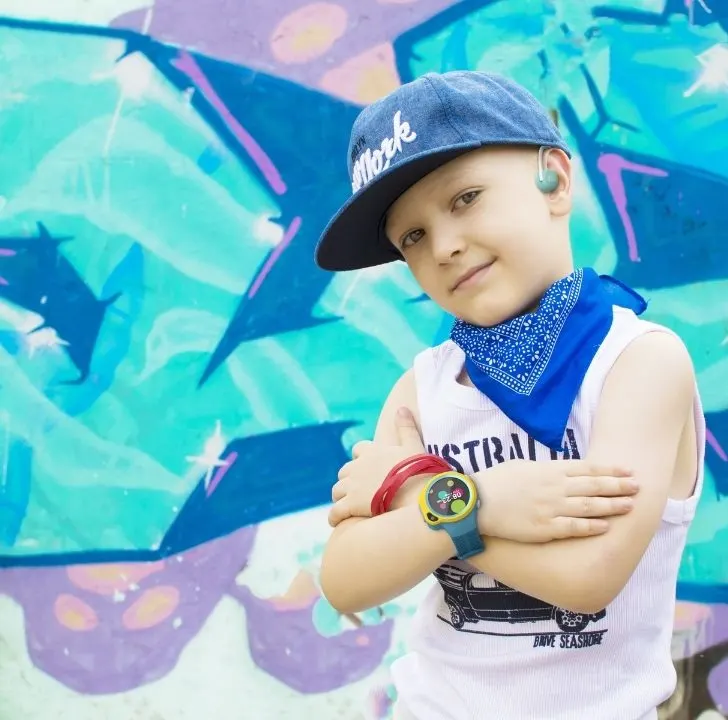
(360,448)
(596,507)
(585,467)
(407,430)
(338,491)
(594,486)
(339,512)
(571,527)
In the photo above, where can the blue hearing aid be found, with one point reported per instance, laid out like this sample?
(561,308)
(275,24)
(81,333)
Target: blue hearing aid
(546,180)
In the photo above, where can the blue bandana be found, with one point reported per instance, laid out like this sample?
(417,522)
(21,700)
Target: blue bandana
(532,366)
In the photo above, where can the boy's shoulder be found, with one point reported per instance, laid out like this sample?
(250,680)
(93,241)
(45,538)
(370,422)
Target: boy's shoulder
(437,355)
(434,364)
(633,340)
(659,350)
(650,368)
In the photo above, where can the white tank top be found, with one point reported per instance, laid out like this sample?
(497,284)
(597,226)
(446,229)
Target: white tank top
(480,650)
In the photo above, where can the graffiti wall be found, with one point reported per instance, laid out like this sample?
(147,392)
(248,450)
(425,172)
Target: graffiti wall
(179,383)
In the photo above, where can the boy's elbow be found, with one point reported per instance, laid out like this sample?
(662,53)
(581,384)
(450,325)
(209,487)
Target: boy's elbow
(338,585)
(591,591)
(335,592)
(342,604)
(339,595)
(600,593)
(584,598)
(589,603)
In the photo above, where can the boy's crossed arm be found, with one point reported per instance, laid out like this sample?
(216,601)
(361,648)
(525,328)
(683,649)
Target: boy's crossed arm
(644,423)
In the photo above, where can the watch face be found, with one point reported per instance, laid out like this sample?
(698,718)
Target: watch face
(448,496)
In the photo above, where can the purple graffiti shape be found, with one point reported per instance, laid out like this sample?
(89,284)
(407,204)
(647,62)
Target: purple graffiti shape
(612,166)
(718,685)
(228,462)
(290,233)
(713,442)
(246,35)
(285,643)
(186,64)
(703,659)
(110,628)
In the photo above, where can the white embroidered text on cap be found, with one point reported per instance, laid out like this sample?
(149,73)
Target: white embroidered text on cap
(370,163)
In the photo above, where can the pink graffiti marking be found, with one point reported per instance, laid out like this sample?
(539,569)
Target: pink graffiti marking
(713,442)
(74,614)
(6,252)
(293,228)
(186,64)
(612,166)
(152,607)
(110,578)
(220,473)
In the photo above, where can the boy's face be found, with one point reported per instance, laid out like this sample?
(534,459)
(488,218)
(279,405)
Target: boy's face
(480,238)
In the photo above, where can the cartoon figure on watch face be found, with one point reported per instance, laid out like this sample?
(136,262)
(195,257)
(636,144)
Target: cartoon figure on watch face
(448,497)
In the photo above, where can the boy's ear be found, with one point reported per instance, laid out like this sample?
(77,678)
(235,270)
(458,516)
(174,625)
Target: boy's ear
(560,199)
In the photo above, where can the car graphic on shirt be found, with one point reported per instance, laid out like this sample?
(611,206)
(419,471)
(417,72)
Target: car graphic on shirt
(469,603)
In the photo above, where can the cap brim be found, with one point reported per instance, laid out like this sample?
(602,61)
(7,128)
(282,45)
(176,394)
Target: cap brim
(354,238)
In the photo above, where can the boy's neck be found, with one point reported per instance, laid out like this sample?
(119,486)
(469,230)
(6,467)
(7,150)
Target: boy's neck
(566,270)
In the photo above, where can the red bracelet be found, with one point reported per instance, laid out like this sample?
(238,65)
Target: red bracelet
(400,473)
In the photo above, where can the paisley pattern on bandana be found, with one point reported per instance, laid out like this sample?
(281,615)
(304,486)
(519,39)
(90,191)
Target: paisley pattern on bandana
(517,352)
(532,366)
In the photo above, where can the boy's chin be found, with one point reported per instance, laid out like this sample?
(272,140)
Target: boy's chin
(485,313)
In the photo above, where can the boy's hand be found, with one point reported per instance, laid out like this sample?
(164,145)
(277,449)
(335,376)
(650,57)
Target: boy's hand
(360,478)
(534,502)
(521,500)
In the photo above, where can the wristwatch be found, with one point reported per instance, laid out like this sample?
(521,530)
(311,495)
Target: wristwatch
(449,501)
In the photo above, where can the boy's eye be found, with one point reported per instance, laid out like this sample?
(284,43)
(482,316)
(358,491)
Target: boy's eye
(466,198)
(411,238)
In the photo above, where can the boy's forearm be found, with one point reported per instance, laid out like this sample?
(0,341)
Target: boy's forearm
(370,561)
(565,573)
(376,559)
(560,572)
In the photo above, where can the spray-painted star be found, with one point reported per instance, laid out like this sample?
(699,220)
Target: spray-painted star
(44,338)
(715,70)
(210,458)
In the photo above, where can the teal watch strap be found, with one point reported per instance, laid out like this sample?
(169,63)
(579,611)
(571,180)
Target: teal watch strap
(466,536)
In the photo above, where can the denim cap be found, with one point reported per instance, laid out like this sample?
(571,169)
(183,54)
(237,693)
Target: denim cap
(414,130)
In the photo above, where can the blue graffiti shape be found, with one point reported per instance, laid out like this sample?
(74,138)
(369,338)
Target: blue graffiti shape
(255,487)
(37,277)
(307,147)
(699,12)
(716,455)
(661,214)
(16,459)
(126,282)
(677,216)
(454,56)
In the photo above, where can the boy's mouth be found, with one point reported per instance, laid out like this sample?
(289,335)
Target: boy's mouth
(471,276)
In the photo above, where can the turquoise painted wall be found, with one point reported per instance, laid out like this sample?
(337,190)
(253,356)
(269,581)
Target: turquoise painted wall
(179,383)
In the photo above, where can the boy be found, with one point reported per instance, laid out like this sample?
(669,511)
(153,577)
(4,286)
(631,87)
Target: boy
(556,579)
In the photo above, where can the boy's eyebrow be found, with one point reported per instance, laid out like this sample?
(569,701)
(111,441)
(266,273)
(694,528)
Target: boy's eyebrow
(388,229)
(460,179)
(386,225)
